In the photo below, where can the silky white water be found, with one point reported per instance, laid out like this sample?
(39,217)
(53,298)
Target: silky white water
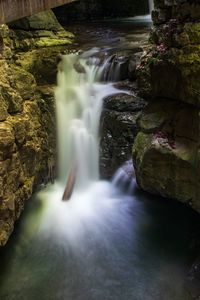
(79,101)
(79,98)
(151,6)
(105,243)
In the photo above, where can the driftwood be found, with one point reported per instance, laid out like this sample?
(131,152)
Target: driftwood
(70,184)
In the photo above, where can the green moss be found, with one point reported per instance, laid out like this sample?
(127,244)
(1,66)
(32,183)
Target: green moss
(65,34)
(193,31)
(42,63)
(49,42)
(141,144)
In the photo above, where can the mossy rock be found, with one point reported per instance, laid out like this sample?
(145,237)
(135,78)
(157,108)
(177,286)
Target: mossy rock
(3,109)
(172,74)
(42,21)
(193,31)
(41,63)
(51,42)
(166,151)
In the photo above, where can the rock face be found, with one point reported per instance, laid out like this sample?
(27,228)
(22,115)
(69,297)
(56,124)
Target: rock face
(166,150)
(27,111)
(118,131)
(121,65)
(167,147)
(194,279)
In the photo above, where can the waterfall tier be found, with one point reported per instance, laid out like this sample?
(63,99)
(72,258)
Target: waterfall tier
(79,100)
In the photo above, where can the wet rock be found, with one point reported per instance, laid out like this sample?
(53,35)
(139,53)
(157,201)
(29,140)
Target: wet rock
(41,63)
(172,74)
(193,280)
(166,152)
(124,103)
(121,66)
(171,67)
(118,130)
(27,116)
(127,85)
(79,68)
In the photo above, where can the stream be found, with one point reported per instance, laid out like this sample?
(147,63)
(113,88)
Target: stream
(105,243)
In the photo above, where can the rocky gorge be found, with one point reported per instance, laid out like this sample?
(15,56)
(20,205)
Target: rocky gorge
(31,49)
(152,119)
(29,56)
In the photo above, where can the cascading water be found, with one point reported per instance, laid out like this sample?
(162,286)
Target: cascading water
(103,243)
(151,5)
(79,101)
(79,98)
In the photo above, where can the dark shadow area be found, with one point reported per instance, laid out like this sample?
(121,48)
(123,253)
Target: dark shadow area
(100,9)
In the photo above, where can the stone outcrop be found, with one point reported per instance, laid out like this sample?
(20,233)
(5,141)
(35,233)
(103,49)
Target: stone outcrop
(166,151)
(118,130)
(28,57)
(167,147)
(119,125)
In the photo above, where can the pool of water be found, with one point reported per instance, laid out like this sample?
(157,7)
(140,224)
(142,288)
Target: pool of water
(102,244)
(120,33)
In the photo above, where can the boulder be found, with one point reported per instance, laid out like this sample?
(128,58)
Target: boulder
(166,151)
(122,65)
(118,130)
(41,21)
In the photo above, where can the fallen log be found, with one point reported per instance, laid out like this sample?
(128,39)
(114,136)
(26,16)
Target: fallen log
(70,184)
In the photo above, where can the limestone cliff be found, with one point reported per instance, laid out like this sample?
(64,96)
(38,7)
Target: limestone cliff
(28,59)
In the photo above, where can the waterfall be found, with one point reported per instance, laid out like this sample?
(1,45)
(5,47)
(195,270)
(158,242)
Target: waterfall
(111,240)
(79,101)
(151,6)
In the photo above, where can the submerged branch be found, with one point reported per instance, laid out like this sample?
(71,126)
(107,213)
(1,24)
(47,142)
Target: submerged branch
(70,184)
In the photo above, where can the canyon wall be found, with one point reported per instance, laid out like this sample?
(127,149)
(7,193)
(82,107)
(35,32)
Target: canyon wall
(166,152)
(28,56)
